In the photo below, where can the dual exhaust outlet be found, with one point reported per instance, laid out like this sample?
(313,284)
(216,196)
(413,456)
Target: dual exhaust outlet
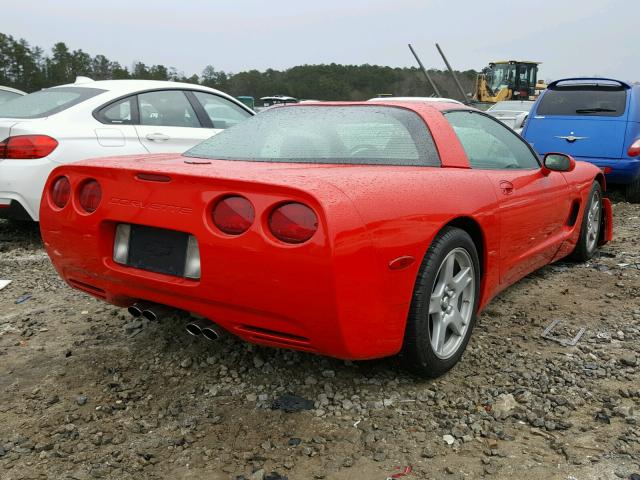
(155,311)
(150,311)
(204,327)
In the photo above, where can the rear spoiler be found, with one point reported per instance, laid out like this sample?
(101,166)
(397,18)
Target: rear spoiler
(588,81)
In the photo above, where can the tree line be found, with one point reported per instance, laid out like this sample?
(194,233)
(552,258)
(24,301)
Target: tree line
(30,68)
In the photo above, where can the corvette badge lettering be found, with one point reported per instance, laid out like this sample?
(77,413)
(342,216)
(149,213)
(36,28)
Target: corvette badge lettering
(163,207)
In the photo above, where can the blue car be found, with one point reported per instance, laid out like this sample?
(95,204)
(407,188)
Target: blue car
(592,119)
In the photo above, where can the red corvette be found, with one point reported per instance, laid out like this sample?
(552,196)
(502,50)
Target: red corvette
(355,230)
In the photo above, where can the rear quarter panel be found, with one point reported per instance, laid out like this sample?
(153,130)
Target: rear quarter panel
(403,216)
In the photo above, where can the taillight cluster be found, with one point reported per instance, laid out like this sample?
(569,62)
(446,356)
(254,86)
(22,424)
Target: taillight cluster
(290,222)
(27,147)
(89,194)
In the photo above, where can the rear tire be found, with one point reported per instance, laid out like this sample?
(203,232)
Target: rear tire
(590,227)
(632,192)
(444,305)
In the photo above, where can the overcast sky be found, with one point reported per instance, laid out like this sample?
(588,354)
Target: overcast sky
(570,37)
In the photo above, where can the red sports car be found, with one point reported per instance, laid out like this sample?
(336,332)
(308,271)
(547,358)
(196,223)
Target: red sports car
(355,230)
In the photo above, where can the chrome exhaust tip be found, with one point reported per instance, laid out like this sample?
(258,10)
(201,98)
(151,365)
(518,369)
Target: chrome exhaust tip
(212,332)
(193,329)
(197,326)
(204,327)
(138,308)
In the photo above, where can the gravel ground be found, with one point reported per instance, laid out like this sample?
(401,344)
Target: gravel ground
(88,392)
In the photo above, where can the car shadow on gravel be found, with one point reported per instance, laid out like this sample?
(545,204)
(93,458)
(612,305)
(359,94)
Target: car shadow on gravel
(235,353)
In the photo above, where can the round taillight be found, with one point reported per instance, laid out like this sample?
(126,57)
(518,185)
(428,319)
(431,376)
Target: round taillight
(60,192)
(89,195)
(233,215)
(293,223)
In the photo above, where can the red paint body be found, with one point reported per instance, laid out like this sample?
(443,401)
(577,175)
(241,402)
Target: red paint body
(347,291)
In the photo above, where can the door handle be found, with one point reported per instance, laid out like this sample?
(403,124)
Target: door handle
(157,137)
(506,187)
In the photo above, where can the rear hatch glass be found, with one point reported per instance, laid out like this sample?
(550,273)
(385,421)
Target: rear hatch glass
(352,135)
(598,101)
(584,121)
(46,102)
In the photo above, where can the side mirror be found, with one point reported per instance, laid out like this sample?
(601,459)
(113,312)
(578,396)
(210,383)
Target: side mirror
(557,162)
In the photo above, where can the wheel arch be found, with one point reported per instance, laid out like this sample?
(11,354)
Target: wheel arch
(473,228)
(601,180)
(410,350)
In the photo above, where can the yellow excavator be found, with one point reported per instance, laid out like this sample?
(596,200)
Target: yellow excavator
(502,80)
(508,80)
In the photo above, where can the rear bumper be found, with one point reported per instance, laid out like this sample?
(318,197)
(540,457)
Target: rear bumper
(325,296)
(623,170)
(300,307)
(21,183)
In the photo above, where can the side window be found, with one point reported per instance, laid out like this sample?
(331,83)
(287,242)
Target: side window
(168,108)
(117,113)
(222,112)
(489,144)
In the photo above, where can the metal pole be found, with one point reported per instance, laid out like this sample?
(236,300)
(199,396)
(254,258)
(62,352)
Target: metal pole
(433,85)
(455,78)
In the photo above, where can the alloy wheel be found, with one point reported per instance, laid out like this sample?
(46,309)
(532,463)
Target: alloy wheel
(593,221)
(451,303)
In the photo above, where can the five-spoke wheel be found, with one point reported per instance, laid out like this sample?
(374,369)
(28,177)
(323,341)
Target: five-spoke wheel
(451,305)
(445,300)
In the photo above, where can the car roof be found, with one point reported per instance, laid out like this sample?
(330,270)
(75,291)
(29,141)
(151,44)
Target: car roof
(591,81)
(414,99)
(125,86)
(118,88)
(442,106)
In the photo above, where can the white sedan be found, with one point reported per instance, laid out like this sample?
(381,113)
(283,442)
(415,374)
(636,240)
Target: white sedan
(95,119)
(513,113)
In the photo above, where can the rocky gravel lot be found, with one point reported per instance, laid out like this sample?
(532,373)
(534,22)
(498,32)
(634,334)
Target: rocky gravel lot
(87,392)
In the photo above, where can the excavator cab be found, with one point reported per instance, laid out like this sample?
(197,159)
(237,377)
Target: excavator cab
(507,80)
